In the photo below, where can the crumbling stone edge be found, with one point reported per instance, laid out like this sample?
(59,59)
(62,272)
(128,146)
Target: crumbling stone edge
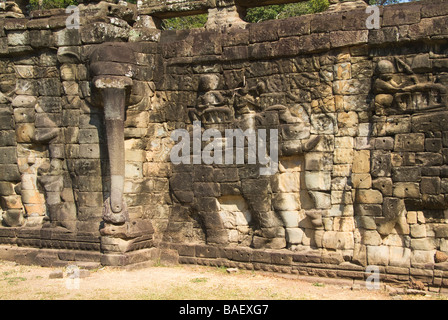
(313,263)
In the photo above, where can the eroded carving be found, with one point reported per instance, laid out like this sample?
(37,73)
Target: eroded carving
(405,93)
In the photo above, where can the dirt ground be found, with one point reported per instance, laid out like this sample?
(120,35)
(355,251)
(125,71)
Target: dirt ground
(185,282)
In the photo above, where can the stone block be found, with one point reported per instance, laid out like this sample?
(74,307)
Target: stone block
(286,201)
(344,142)
(8,155)
(323,124)
(425,244)
(295,26)
(419,257)
(368,196)
(428,159)
(11,202)
(381,164)
(366,222)
(50,87)
(344,38)
(341,197)
(7,138)
(400,257)
(406,190)
(361,162)
(341,210)
(290,218)
(294,235)
(348,123)
(326,23)
(133,169)
(6,121)
(281,258)
(418,231)
(207,204)
(10,172)
(384,143)
(90,199)
(255,186)
(70,88)
(406,174)
(24,115)
(384,185)
(181,181)
(35,197)
(24,101)
(350,87)
(13,218)
(433,144)
(338,240)
(370,238)
(89,151)
(318,180)
(342,71)
(411,217)
(67,37)
(398,15)
(6,188)
(378,255)
(344,224)
(41,38)
(435,121)
(441,231)
(361,180)
(318,161)
(393,208)
(206,189)
(413,142)
(321,200)
(286,182)
(430,185)
(342,155)
(18,38)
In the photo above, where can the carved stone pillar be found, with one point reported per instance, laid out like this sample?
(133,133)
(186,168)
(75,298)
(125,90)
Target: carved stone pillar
(225,14)
(337,5)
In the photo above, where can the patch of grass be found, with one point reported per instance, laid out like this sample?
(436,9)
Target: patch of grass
(198,280)
(222,269)
(15,280)
(10,277)
(318,284)
(7,273)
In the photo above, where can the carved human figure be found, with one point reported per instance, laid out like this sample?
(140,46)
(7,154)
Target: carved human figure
(59,198)
(385,86)
(392,97)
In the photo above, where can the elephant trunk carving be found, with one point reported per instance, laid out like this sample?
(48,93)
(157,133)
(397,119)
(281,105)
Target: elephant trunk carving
(112,67)
(113,95)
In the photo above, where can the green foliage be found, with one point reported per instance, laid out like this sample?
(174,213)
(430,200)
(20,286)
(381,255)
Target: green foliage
(51,4)
(181,23)
(285,11)
(263,13)
(318,5)
(295,9)
(383,2)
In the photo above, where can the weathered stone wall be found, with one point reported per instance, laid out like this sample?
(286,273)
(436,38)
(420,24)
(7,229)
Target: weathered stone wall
(360,115)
